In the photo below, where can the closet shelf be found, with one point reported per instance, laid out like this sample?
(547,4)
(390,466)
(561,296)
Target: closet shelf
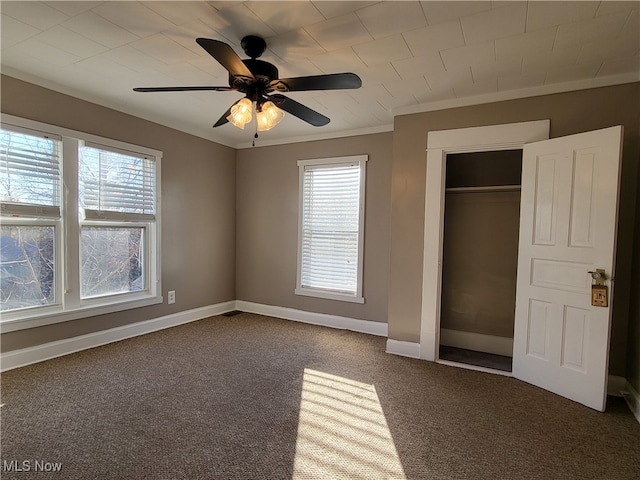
(491,188)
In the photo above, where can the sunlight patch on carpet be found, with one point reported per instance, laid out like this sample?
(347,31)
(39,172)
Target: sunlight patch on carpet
(342,431)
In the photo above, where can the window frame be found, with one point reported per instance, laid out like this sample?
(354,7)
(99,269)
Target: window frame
(69,305)
(56,223)
(148,271)
(357,297)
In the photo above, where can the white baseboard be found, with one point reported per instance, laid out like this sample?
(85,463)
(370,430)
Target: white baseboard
(617,386)
(477,341)
(476,368)
(39,353)
(334,321)
(26,356)
(633,400)
(404,349)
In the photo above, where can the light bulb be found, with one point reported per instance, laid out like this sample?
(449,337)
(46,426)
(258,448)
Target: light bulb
(241,113)
(269,116)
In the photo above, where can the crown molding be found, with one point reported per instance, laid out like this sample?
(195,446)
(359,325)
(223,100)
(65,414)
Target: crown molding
(520,93)
(319,136)
(208,134)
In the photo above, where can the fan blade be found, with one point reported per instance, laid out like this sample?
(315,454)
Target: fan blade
(180,89)
(225,55)
(299,110)
(223,119)
(332,81)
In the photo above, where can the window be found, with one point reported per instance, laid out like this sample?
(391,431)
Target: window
(30,203)
(89,250)
(117,197)
(331,219)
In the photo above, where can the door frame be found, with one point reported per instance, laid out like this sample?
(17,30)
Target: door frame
(510,136)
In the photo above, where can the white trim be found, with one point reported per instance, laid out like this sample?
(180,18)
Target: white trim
(617,386)
(39,353)
(70,305)
(323,319)
(28,131)
(201,131)
(329,135)
(633,399)
(351,160)
(476,368)
(486,138)
(108,146)
(518,94)
(342,297)
(28,210)
(439,143)
(211,135)
(310,164)
(130,148)
(477,341)
(404,349)
(55,314)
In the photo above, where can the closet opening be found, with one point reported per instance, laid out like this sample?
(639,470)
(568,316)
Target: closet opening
(480,258)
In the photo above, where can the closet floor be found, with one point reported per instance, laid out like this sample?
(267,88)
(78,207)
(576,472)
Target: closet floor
(479,359)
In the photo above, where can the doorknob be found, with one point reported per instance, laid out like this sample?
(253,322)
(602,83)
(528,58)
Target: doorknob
(599,276)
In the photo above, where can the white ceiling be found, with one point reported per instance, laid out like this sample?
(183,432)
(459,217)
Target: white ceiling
(412,56)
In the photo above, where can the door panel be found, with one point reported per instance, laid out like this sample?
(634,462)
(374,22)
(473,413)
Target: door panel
(581,222)
(568,223)
(537,329)
(546,200)
(560,275)
(576,321)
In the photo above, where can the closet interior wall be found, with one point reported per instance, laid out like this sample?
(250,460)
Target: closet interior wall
(480,250)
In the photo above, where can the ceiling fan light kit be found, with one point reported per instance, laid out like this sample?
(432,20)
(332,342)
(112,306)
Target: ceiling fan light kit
(241,113)
(268,116)
(260,83)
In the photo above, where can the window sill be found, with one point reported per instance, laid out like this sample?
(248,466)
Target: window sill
(15,321)
(342,297)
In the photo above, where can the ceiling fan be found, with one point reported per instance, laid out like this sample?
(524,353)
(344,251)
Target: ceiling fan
(259,81)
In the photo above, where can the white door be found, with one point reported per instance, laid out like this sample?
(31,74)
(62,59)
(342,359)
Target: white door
(568,222)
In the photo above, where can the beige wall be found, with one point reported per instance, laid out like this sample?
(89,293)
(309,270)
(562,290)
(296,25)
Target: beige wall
(229,231)
(569,113)
(267,224)
(198,207)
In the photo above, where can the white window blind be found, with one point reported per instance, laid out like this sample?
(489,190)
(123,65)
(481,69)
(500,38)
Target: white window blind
(29,173)
(330,243)
(116,186)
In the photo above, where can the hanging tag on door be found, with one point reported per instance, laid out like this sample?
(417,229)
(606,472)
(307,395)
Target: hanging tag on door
(599,291)
(599,295)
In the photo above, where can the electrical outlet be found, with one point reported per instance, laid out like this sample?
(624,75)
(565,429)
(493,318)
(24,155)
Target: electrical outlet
(171,296)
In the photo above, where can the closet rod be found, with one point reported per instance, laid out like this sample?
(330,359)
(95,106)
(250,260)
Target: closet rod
(491,188)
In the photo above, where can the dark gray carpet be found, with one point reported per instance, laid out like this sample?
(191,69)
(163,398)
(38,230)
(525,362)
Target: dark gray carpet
(252,397)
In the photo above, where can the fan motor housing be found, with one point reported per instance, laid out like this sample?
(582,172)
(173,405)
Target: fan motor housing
(264,73)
